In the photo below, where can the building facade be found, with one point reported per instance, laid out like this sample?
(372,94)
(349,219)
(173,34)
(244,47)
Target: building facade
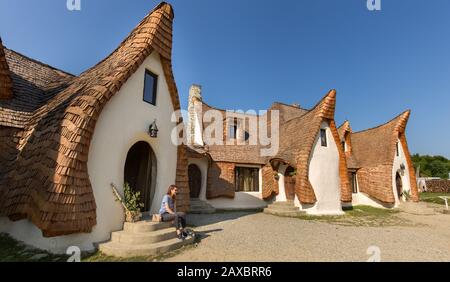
(66,139)
(317,166)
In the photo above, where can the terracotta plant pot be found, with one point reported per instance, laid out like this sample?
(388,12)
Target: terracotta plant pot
(133,216)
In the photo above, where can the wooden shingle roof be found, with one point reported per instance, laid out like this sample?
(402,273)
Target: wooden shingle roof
(33,85)
(345,134)
(48,181)
(250,154)
(376,146)
(5,76)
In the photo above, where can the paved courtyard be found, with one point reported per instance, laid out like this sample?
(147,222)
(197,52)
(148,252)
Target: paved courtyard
(260,237)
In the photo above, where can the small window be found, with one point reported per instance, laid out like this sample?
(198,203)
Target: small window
(323,137)
(246,136)
(150,86)
(396,150)
(354,182)
(232,129)
(343,146)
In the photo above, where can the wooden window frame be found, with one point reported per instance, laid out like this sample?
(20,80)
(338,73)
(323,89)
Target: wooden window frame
(155,87)
(397,149)
(256,187)
(323,137)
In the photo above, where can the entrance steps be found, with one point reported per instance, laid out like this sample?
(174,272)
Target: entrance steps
(287,209)
(201,207)
(143,238)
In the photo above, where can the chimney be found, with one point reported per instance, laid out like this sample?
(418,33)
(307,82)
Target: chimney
(194,128)
(195,92)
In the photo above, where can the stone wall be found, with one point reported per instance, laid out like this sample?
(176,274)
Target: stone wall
(438,186)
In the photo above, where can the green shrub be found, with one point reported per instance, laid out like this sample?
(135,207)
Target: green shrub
(132,199)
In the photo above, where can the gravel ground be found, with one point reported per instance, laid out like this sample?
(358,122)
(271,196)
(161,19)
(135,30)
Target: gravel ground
(260,237)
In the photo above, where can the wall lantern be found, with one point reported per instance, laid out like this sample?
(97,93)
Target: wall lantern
(402,169)
(153,130)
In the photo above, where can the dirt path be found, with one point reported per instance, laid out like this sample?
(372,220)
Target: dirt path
(261,237)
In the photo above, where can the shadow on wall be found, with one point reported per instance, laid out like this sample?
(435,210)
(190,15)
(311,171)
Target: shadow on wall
(198,220)
(220,181)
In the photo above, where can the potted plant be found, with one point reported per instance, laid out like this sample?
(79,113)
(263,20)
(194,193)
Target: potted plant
(406,195)
(130,202)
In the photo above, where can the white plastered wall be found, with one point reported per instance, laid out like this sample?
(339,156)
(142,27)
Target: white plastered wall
(324,177)
(281,197)
(123,122)
(398,161)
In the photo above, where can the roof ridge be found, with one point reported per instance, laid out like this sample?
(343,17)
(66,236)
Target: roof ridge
(311,111)
(292,106)
(383,124)
(40,62)
(347,125)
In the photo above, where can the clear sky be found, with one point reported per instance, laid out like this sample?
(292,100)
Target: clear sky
(247,54)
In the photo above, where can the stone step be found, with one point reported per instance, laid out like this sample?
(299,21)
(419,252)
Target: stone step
(145,226)
(143,237)
(283,207)
(202,210)
(284,213)
(201,207)
(285,203)
(141,250)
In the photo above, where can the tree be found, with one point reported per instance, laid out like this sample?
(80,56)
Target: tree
(432,166)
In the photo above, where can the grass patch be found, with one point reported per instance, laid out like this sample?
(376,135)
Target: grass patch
(100,257)
(363,211)
(12,250)
(361,216)
(433,197)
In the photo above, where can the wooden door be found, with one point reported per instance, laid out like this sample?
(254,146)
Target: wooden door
(399,184)
(195,180)
(140,172)
(289,183)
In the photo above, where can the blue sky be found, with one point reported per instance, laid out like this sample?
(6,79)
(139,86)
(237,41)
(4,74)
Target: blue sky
(247,54)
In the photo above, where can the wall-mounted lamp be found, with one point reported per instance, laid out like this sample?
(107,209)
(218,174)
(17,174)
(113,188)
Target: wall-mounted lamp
(402,166)
(153,130)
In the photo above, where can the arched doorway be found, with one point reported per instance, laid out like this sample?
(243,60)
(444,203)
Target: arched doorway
(195,180)
(399,185)
(289,183)
(140,172)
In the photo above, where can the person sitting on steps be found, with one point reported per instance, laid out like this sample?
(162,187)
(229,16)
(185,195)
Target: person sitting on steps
(168,212)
